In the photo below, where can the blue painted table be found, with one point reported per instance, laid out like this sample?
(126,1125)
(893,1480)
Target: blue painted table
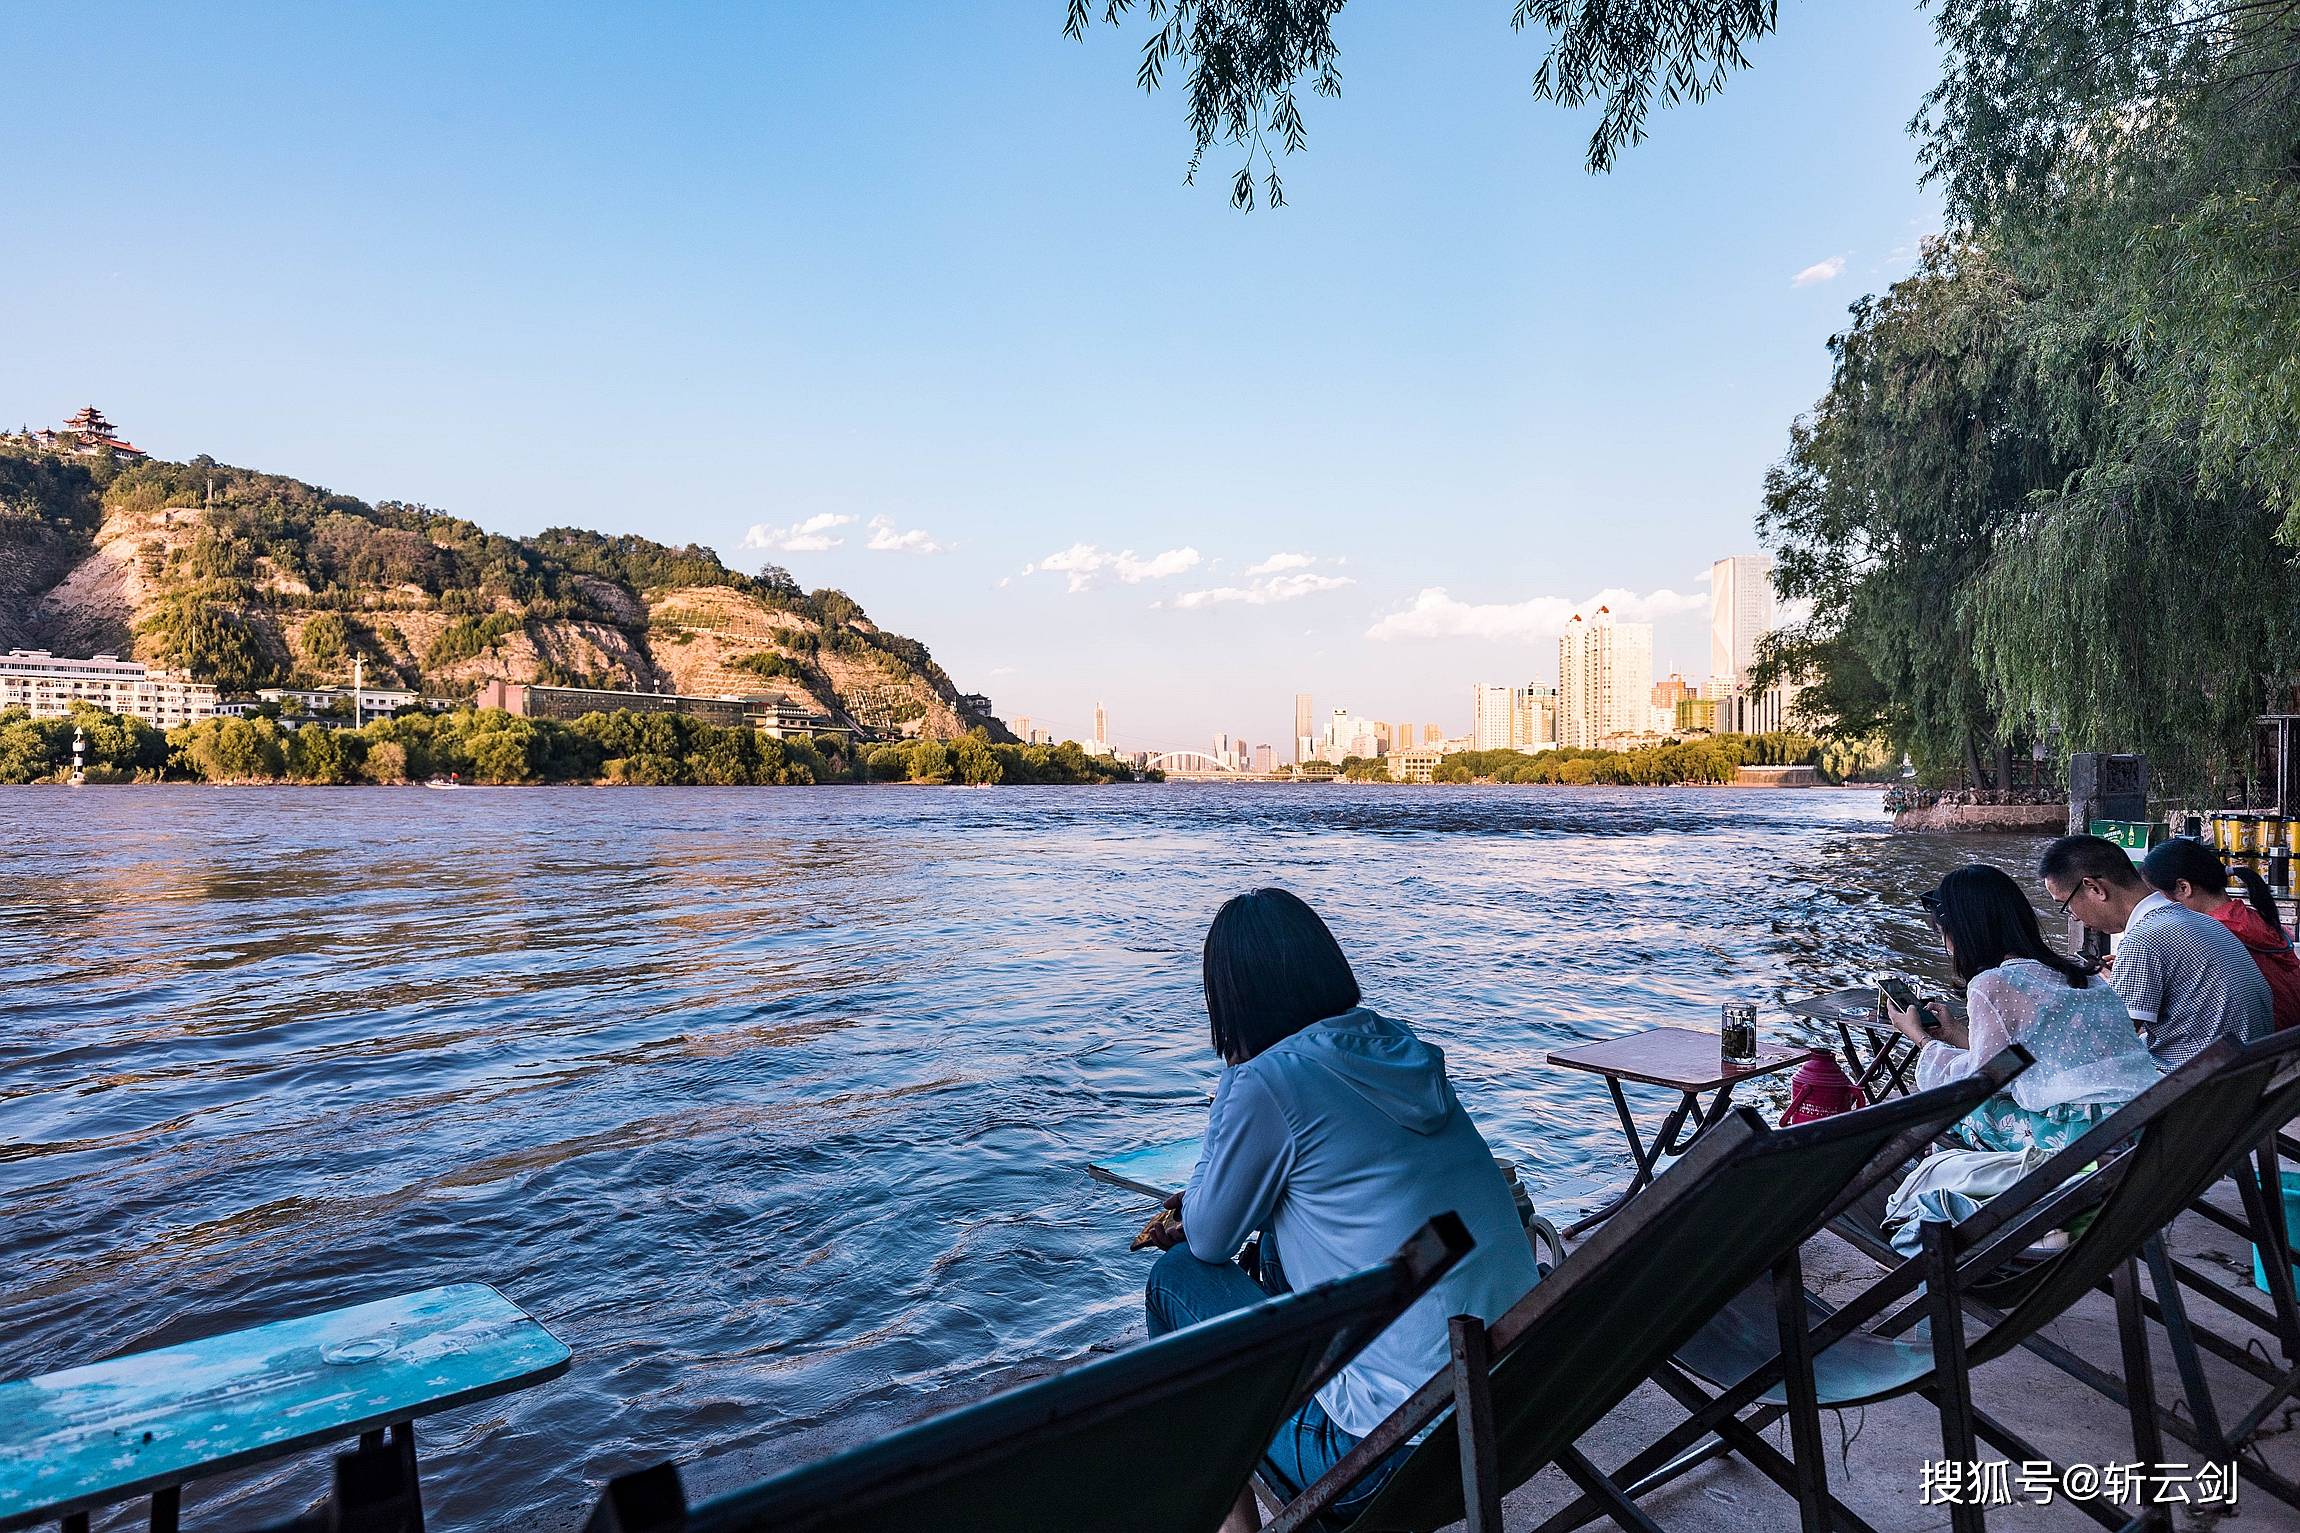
(92,1436)
(1153,1172)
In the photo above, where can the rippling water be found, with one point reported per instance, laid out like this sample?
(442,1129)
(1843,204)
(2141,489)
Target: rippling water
(773,1103)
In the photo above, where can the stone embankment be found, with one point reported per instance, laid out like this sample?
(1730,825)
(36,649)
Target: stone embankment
(2009,819)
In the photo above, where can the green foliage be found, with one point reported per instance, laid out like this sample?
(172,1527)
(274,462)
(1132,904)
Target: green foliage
(1889,505)
(974,761)
(228,750)
(2075,433)
(190,630)
(324,641)
(1713,760)
(113,748)
(38,491)
(468,637)
(1246,59)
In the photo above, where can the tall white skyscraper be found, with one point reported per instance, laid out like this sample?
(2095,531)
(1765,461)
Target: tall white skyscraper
(1101,725)
(1305,730)
(1604,679)
(1742,610)
(1491,715)
(1740,613)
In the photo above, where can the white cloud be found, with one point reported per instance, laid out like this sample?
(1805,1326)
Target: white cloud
(1086,564)
(1435,615)
(811,536)
(1279,563)
(1264,592)
(884,539)
(1819,271)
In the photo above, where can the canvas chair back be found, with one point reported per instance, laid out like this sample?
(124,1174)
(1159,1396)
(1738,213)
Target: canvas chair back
(1587,1335)
(1159,1438)
(2223,1103)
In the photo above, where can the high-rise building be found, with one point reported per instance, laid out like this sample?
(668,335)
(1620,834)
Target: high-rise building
(1604,679)
(1740,613)
(1433,734)
(1101,725)
(1742,610)
(1304,729)
(1492,714)
(1402,736)
(1533,717)
(1265,760)
(1022,728)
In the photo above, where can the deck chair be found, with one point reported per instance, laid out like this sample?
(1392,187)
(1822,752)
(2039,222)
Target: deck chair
(1159,1438)
(1737,1204)
(1905,1333)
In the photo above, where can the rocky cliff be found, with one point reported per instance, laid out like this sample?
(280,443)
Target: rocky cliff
(250,579)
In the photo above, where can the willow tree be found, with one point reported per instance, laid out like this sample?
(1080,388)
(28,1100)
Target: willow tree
(1885,513)
(1245,62)
(2137,168)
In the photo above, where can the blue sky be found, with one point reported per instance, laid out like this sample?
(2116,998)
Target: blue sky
(731,274)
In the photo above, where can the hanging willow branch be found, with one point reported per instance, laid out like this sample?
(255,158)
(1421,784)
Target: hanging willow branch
(1243,62)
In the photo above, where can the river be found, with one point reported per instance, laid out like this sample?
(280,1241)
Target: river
(772,1103)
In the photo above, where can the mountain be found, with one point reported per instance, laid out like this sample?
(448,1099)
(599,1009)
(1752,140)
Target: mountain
(249,579)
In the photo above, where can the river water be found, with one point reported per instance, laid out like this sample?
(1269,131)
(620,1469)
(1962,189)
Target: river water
(772,1104)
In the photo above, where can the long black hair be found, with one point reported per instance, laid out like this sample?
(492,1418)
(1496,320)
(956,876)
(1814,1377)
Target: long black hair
(2181,860)
(1271,970)
(1987,920)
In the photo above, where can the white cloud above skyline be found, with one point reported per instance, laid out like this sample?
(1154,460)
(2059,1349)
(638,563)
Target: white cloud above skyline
(1266,591)
(812,536)
(1278,564)
(885,538)
(1085,565)
(1436,614)
(1820,271)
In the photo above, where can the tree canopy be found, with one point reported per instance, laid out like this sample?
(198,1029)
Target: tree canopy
(1244,63)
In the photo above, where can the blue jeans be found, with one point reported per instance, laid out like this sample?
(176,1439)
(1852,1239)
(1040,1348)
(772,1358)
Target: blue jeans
(1183,1291)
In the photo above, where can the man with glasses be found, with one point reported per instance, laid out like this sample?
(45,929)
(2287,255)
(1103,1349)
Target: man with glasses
(2184,977)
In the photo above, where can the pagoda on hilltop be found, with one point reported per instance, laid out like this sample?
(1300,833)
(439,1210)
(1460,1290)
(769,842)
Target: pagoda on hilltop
(92,434)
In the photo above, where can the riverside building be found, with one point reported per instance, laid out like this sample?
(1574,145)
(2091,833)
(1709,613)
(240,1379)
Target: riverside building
(777,716)
(1604,680)
(47,686)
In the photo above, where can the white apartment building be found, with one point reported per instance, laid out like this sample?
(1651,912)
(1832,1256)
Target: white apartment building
(1604,679)
(1740,613)
(1742,610)
(47,686)
(1492,716)
(371,702)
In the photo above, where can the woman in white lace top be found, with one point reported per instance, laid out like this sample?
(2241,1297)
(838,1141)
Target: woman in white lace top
(2089,1058)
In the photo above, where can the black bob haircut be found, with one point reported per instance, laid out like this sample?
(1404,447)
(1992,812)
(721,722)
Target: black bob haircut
(1271,970)
(1988,920)
(2072,859)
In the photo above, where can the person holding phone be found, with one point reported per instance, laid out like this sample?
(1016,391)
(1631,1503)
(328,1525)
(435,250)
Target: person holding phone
(2089,1058)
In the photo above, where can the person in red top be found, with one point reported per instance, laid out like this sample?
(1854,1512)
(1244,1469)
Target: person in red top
(2192,874)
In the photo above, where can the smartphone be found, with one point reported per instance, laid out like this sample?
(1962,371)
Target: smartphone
(1899,996)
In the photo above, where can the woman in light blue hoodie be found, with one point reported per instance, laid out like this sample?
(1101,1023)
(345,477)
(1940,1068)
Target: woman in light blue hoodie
(1335,1134)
